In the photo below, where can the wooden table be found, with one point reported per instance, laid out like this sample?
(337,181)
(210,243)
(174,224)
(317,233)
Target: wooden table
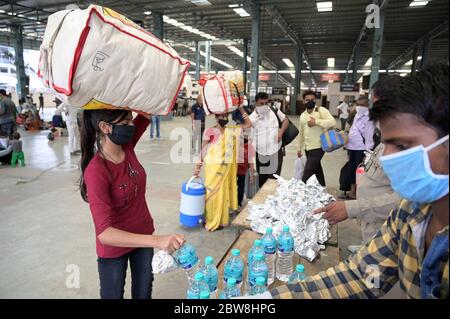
(327,258)
(269,188)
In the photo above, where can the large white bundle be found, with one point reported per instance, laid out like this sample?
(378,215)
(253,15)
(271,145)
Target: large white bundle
(223,92)
(97,58)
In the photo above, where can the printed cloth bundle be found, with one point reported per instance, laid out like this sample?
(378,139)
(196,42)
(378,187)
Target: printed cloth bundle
(223,92)
(97,58)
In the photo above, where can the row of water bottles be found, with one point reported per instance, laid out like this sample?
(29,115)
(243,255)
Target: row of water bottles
(262,262)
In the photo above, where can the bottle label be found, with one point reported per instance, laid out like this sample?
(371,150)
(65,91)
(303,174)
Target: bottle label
(253,275)
(286,246)
(187,262)
(232,273)
(211,280)
(270,249)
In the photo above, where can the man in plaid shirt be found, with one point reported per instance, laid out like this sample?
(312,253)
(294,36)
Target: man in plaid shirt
(412,246)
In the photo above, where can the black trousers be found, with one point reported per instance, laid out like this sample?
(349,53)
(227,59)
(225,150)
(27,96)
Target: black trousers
(241,188)
(268,165)
(113,271)
(355,159)
(314,166)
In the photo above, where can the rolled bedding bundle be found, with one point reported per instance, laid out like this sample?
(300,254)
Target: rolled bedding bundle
(96,58)
(223,92)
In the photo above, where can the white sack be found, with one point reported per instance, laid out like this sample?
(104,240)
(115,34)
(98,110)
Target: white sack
(97,58)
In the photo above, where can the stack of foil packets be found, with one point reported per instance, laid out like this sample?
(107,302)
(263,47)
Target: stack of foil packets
(293,205)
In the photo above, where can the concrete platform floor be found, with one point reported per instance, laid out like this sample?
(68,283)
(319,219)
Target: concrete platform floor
(45,226)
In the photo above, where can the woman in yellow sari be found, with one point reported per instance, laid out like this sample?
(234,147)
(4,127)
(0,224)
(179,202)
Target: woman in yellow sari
(219,156)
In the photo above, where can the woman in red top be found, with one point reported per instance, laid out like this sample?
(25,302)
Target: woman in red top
(113,182)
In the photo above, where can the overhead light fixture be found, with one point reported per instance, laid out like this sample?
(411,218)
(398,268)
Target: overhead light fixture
(233,5)
(324,6)
(241,12)
(288,62)
(409,63)
(331,62)
(419,3)
(238,52)
(369,62)
(2,11)
(147,13)
(190,29)
(419,58)
(201,2)
(403,74)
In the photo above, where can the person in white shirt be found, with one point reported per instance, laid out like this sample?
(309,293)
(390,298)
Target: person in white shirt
(344,110)
(72,127)
(267,137)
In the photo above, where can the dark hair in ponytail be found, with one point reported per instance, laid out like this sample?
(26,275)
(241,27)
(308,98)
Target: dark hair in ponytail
(91,136)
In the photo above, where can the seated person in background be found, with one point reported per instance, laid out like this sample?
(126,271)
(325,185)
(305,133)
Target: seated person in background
(57,119)
(4,139)
(5,149)
(32,121)
(412,246)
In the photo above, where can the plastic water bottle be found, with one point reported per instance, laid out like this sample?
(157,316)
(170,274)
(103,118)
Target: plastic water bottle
(197,286)
(258,269)
(209,270)
(298,275)
(204,294)
(256,249)
(260,287)
(269,244)
(285,255)
(234,268)
(187,258)
(231,290)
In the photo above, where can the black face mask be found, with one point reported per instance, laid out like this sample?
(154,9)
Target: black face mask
(310,105)
(121,134)
(222,122)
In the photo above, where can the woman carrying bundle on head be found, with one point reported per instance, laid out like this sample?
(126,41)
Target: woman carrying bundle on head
(219,156)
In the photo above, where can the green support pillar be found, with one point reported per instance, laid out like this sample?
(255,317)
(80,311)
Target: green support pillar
(197,60)
(297,81)
(414,63)
(425,53)
(208,56)
(256,42)
(158,25)
(245,64)
(22,79)
(376,51)
(355,64)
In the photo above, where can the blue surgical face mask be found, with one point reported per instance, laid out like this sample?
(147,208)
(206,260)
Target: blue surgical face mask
(411,175)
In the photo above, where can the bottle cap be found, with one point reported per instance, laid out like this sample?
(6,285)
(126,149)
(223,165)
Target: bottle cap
(235,252)
(204,294)
(209,260)
(300,268)
(269,230)
(286,228)
(259,257)
(261,281)
(231,282)
(258,242)
(199,276)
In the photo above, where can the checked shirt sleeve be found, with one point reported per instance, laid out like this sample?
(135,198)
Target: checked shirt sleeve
(370,273)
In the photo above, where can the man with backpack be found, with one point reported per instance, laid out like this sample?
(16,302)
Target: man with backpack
(268,135)
(313,122)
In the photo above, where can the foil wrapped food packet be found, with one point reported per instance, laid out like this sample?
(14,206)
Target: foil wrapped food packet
(163,262)
(293,205)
